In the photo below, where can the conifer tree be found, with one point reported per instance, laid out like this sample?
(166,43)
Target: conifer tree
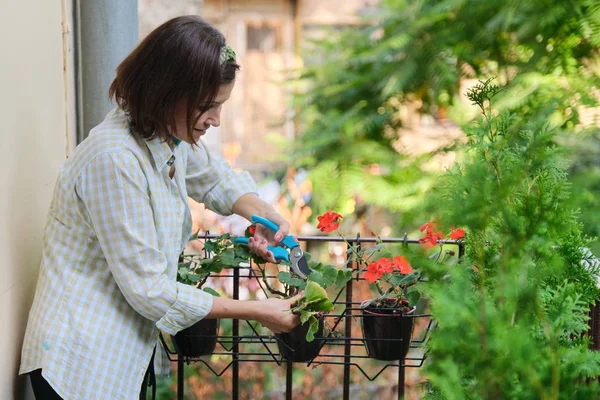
(512,316)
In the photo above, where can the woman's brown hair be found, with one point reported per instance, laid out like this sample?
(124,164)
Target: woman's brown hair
(178,61)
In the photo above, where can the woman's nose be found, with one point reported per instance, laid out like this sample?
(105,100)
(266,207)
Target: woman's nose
(215,118)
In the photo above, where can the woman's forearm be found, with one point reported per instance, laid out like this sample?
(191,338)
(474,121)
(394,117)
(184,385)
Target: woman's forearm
(250,204)
(275,314)
(237,309)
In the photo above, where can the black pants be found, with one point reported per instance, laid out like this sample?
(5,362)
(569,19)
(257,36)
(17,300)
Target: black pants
(43,391)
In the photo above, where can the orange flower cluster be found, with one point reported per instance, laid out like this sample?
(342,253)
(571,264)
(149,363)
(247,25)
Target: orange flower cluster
(375,270)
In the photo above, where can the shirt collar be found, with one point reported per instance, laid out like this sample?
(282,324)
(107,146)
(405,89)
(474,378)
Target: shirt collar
(161,151)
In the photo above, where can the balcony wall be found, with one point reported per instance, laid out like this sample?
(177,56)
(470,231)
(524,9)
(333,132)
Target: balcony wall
(35,138)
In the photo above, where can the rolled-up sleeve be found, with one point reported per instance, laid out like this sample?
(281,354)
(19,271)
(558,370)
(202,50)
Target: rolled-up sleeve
(210,180)
(114,190)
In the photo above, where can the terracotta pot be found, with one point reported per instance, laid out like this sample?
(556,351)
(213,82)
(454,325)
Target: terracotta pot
(387,332)
(198,340)
(294,347)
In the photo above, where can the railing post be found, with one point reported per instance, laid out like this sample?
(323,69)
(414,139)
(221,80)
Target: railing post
(401,380)
(348,329)
(180,377)
(235,374)
(289,371)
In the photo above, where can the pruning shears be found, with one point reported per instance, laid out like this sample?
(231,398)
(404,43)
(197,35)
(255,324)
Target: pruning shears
(295,255)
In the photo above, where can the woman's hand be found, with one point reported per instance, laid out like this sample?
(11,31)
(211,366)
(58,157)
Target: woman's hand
(263,236)
(250,204)
(276,314)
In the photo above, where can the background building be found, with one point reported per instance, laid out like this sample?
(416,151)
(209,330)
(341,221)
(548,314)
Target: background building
(268,37)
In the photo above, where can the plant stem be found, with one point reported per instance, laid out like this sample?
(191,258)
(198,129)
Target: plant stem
(379,288)
(269,288)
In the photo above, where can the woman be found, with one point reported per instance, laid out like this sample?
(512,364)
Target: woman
(119,219)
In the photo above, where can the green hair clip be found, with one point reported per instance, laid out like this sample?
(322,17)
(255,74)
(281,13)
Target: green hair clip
(227,54)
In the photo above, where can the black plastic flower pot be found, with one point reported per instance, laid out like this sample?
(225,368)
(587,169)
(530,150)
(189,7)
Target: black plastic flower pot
(387,332)
(198,340)
(294,347)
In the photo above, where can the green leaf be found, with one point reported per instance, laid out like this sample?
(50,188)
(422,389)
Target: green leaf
(211,291)
(211,246)
(211,265)
(323,305)
(287,279)
(326,275)
(330,274)
(395,279)
(413,297)
(284,277)
(314,327)
(194,277)
(299,283)
(228,258)
(314,292)
(257,260)
(315,298)
(183,272)
(184,265)
(305,316)
(374,249)
(241,251)
(409,279)
(317,277)
(343,277)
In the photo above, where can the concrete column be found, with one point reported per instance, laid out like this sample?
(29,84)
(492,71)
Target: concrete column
(107,30)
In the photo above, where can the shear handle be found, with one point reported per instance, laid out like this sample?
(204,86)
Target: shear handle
(287,241)
(279,252)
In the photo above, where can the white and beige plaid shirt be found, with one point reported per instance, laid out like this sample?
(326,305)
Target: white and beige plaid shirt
(107,283)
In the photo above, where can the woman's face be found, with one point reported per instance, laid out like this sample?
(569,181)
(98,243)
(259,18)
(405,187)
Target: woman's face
(212,117)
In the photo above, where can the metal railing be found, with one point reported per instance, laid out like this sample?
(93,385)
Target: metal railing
(339,347)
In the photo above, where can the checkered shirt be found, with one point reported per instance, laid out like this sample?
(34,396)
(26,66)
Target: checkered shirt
(107,284)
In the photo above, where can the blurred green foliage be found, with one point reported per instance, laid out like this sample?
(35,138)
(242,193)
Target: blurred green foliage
(420,52)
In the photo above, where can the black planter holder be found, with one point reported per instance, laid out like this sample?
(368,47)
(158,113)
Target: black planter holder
(294,347)
(338,348)
(198,340)
(387,332)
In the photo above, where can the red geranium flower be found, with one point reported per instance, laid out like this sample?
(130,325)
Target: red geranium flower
(250,231)
(457,233)
(431,235)
(402,264)
(329,221)
(428,226)
(376,269)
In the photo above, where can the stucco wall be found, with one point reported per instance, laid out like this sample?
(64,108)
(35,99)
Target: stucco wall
(34,132)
